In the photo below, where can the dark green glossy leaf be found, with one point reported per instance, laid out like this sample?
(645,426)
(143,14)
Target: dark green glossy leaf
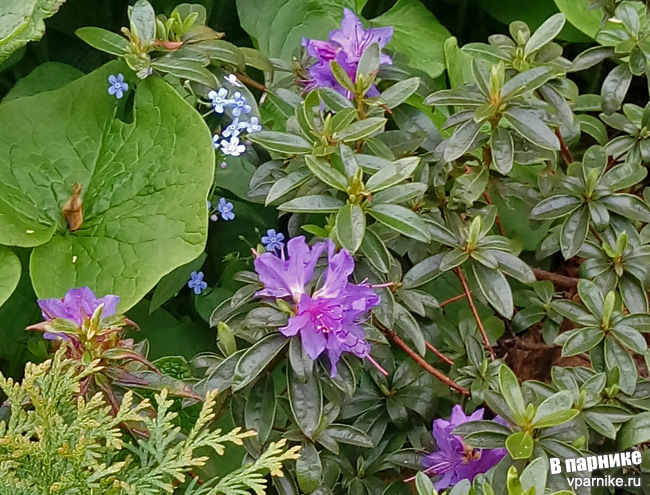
(256,358)
(306,402)
(401,220)
(350,226)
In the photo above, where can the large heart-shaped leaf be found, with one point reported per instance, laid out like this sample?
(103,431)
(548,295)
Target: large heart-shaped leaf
(144,185)
(9,273)
(22,22)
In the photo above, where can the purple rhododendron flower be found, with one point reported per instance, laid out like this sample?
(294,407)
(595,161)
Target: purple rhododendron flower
(346,46)
(455,461)
(330,318)
(76,305)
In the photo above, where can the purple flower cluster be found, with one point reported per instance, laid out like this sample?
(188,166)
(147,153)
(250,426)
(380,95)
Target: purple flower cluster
(345,46)
(455,461)
(328,319)
(77,305)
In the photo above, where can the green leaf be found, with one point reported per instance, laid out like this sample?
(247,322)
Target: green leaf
(616,355)
(306,402)
(401,220)
(495,288)
(334,100)
(503,152)
(143,21)
(615,88)
(513,266)
(404,321)
(259,412)
(535,476)
(349,435)
(532,128)
(22,22)
(392,174)
(579,13)
(461,140)
(399,92)
(256,358)
(312,204)
(635,432)
(106,41)
(224,52)
(301,363)
(555,410)
(582,340)
(423,272)
(469,187)
(574,232)
(309,469)
(600,423)
(555,207)
(350,227)
(172,283)
(544,34)
(185,69)
(400,194)
(630,338)
(10,270)
(281,142)
(45,77)
(369,61)
(627,205)
(520,445)
(287,184)
(361,129)
(255,58)
(511,392)
(341,76)
(423,484)
(374,249)
(326,173)
(417,34)
(591,296)
(143,193)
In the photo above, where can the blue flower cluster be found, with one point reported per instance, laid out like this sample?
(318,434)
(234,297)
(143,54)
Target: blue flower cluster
(224,208)
(221,100)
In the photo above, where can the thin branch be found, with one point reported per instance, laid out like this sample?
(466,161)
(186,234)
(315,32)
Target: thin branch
(463,282)
(439,353)
(559,280)
(498,220)
(418,359)
(250,82)
(564,149)
(453,300)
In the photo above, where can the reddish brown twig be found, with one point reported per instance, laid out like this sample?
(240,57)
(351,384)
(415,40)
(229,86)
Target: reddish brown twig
(559,280)
(418,359)
(439,353)
(564,149)
(498,220)
(250,82)
(463,282)
(453,299)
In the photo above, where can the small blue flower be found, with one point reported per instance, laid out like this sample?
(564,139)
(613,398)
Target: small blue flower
(233,129)
(239,105)
(219,99)
(253,125)
(196,283)
(225,208)
(273,240)
(232,147)
(117,86)
(232,79)
(215,141)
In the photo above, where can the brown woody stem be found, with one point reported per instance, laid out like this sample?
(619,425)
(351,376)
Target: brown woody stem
(564,149)
(463,282)
(453,299)
(250,82)
(559,280)
(439,353)
(418,359)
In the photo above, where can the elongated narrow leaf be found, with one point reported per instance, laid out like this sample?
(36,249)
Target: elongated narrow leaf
(461,140)
(400,194)
(10,270)
(401,220)
(574,232)
(495,288)
(351,227)
(312,204)
(256,358)
(287,184)
(528,81)
(374,249)
(399,92)
(615,88)
(616,355)
(306,402)
(503,150)
(555,207)
(361,129)
(106,41)
(281,142)
(545,33)
(628,206)
(325,172)
(410,328)
(532,129)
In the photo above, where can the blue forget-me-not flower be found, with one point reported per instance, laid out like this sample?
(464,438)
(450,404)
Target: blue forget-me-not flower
(273,240)
(225,208)
(196,283)
(219,99)
(232,147)
(239,104)
(117,86)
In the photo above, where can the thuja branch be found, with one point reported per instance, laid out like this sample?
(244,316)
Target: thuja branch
(558,280)
(463,282)
(418,359)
